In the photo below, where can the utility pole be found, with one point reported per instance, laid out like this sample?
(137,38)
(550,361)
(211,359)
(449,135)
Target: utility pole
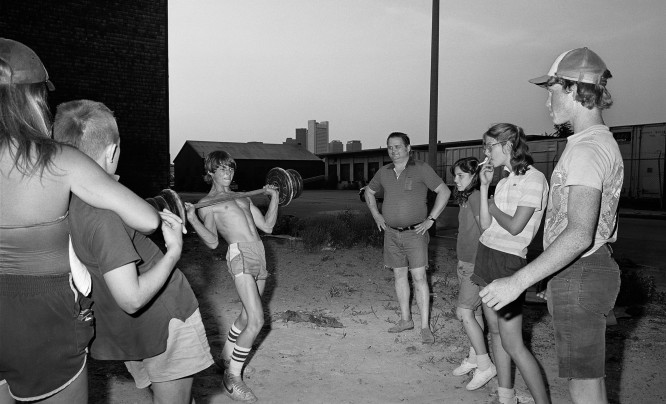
(434,80)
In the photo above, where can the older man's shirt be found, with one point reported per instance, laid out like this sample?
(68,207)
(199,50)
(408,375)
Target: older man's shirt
(405,196)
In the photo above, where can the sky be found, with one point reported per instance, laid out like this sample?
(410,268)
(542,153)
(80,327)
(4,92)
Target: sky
(255,70)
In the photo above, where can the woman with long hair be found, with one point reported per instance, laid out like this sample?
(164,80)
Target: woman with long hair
(45,329)
(509,221)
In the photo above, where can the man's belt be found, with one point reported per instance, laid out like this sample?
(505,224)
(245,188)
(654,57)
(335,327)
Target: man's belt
(410,227)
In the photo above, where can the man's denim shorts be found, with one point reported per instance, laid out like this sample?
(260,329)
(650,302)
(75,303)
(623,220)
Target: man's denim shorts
(579,299)
(405,249)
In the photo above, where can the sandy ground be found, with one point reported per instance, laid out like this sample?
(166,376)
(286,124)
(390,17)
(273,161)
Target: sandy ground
(302,362)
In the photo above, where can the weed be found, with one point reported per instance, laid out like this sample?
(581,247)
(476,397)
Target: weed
(638,289)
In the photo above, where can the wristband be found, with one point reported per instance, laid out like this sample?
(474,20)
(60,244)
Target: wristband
(432,218)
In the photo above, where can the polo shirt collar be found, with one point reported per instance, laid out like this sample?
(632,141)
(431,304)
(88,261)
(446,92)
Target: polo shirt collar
(410,162)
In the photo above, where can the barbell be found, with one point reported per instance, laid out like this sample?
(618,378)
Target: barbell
(288,183)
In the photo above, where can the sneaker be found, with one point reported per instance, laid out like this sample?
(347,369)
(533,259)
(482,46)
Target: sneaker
(464,368)
(236,388)
(402,326)
(426,336)
(481,378)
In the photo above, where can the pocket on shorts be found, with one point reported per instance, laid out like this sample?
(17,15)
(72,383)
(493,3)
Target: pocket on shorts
(599,288)
(85,329)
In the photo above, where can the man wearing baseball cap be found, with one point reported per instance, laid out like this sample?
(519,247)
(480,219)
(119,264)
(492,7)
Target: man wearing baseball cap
(581,221)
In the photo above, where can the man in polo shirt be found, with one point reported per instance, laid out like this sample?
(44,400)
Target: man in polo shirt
(405,222)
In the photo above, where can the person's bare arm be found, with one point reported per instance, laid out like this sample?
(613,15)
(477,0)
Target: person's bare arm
(513,224)
(267,222)
(207,232)
(582,217)
(132,291)
(443,193)
(94,186)
(371,201)
(485,176)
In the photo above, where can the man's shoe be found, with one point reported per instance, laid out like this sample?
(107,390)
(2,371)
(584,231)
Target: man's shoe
(236,388)
(464,368)
(402,326)
(481,377)
(426,336)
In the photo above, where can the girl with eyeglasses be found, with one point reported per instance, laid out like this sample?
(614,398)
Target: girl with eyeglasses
(509,221)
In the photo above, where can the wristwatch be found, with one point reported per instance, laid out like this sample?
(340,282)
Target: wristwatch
(432,218)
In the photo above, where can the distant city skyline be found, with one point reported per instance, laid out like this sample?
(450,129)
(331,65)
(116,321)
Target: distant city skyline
(258,69)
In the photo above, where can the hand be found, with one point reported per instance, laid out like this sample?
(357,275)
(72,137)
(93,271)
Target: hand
(172,230)
(381,223)
(501,292)
(190,211)
(271,190)
(423,227)
(486,174)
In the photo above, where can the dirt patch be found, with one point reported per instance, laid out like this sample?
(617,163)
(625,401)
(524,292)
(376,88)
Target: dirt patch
(342,353)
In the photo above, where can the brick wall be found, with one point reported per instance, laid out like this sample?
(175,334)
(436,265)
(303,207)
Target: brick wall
(109,51)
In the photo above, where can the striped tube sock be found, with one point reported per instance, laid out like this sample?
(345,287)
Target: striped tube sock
(228,348)
(238,359)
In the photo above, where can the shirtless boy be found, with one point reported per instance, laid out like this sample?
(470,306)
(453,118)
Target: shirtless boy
(237,221)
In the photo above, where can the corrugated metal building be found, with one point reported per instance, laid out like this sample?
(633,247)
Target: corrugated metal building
(253,160)
(643,149)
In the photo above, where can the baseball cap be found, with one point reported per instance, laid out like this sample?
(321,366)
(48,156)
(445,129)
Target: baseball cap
(579,65)
(25,64)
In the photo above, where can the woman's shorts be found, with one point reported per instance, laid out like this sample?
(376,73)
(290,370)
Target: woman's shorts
(248,257)
(44,334)
(468,293)
(405,249)
(579,298)
(492,264)
(187,353)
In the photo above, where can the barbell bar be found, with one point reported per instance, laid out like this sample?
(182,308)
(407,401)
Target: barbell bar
(288,183)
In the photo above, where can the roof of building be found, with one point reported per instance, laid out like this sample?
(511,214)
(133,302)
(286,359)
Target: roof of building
(253,150)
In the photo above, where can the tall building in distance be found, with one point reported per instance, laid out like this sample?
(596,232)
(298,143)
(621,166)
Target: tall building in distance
(354,145)
(335,146)
(302,136)
(317,142)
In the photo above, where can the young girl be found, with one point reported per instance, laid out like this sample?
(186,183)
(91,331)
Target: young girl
(468,310)
(509,221)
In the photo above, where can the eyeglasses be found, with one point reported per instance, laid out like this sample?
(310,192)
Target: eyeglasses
(226,169)
(489,147)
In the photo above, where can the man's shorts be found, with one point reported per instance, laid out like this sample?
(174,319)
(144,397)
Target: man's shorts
(468,293)
(247,257)
(579,298)
(43,340)
(405,249)
(187,353)
(492,264)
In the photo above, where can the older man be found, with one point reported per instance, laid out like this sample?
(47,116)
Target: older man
(404,219)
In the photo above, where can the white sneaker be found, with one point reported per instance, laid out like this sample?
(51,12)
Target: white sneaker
(481,377)
(464,368)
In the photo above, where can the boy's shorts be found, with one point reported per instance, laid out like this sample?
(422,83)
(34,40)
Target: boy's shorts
(187,353)
(405,249)
(579,298)
(247,257)
(43,340)
(468,293)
